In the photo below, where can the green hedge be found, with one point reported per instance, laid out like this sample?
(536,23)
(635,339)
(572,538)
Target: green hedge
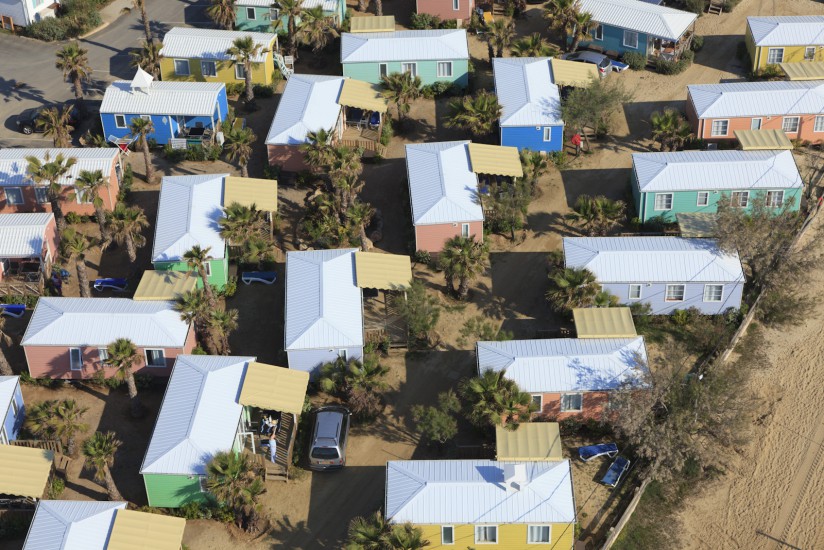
(636,60)
(74,18)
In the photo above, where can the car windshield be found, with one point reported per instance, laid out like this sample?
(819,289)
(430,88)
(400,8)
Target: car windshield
(604,62)
(325,453)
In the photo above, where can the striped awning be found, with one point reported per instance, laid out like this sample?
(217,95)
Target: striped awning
(573,73)
(604,322)
(24,471)
(133,530)
(274,388)
(383,271)
(365,23)
(164,285)
(807,70)
(531,441)
(763,140)
(496,160)
(362,95)
(263,193)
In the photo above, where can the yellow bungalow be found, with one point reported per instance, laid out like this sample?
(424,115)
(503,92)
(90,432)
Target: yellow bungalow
(479,503)
(784,39)
(199,55)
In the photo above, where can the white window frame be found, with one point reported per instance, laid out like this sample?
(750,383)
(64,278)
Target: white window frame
(188,67)
(598,33)
(743,199)
(201,481)
(44,191)
(408,64)
(714,285)
(204,63)
(14,203)
(207,267)
(80,196)
(103,356)
(770,198)
(629,34)
(71,360)
(238,68)
(15,408)
(564,408)
(667,293)
(383,69)
(807,50)
(753,122)
(638,287)
(791,118)
(719,121)
(486,527)
(542,526)
(779,53)
(465,230)
(452,535)
(456,5)
(666,208)
(539,401)
(253,11)
(705,195)
(438,69)
(818,126)
(118,124)
(343,354)
(547,134)
(146,356)
(4,439)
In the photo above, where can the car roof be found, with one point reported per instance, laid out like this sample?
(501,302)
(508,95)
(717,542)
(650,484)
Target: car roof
(328,424)
(589,55)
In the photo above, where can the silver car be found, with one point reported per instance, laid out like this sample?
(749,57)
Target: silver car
(603,63)
(327,450)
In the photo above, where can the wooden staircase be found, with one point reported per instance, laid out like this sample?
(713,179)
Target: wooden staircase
(715,7)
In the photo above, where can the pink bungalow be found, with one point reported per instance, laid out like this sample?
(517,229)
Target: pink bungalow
(67,337)
(447,9)
(28,245)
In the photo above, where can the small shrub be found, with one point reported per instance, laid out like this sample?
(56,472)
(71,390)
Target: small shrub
(231,287)
(386,132)
(697,43)
(173,155)
(636,60)
(559,159)
(99,379)
(421,21)
(196,153)
(56,487)
(50,29)
(681,317)
(73,218)
(263,91)
(199,351)
(422,257)
(770,72)
(696,6)
(152,143)
(370,348)
(126,183)
(729,5)
(213,152)
(667,67)
(143,381)
(449,24)
(235,88)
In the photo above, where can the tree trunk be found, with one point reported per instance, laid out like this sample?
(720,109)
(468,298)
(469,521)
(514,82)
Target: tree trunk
(5,367)
(379,7)
(250,92)
(101,222)
(82,277)
(133,397)
(366,243)
(146,28)
(361,5)
(207,288)
(491,50)
(130,249)
(70,444)
(147,158)
(111,488)
(244,170)
(450,284)
(57,210)
(574,46)
(293,44)
(463,288)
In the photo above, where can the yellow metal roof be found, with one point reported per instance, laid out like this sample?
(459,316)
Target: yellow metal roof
(364,23)
(362,95)
(262,193)
(696,225)
(754,140)
(164,285)
(383,271)
(496,160)
(133,530)
(274,388)
(604,322)
(24,471)
(807,70)
(572,73)
(531,441)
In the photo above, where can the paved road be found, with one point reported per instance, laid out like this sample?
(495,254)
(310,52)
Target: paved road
(28,77)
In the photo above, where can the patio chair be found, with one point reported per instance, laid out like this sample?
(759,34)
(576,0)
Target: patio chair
(119,285)
(374,120)
(594,451)
(265,277)
(13,310)
(616,471)
(353,117)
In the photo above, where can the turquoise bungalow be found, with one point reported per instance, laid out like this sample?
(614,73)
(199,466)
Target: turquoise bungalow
(187,214)
(258,15)
(433,55)
(689,182)
(635,26)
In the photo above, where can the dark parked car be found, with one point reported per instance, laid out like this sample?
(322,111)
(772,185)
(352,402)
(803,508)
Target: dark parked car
(327,449)
(603,62)
(27,120)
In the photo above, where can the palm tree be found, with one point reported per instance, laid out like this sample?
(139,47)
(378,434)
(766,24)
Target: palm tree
(670,129)
(123,355)
(534,165)
(317,151)
(99,451)
(231,478)
(401,89)
(340,376)
(244,50)
(368,533)
(74,62)
(605,299)
(406,537)
(141,128)
(484,396)
(533,45)
(240,222)
(463,259)
(223,13)
(293,10)
(39,419)
(126,224)
(597,215)
(74,246)
(223,323)
(48,173)
(89,183)
(359,216)
(316,29)
(56,124)
(563,16)
(501,33)
(476,114)
(515,407)
(238,146)
(5,340)
(148,57)
(67,422)
(572,287)
(141,5)
(582,29)
(194,309)
(197,258)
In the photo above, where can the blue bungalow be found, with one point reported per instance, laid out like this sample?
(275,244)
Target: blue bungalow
(182,113)
(530,103)
(642,27)
(668,273)
(11,408)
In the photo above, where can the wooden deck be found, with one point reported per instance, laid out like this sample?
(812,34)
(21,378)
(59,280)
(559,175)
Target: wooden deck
(381,319)
(365,138)
(279,470)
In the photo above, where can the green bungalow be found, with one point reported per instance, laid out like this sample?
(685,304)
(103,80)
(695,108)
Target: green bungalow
(209,407)
(258,15)
(687,182)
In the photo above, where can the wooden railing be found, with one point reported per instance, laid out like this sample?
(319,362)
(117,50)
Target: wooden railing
(19,286)
(49,445)
(365,144)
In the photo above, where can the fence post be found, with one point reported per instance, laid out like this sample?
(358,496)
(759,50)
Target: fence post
(615,530)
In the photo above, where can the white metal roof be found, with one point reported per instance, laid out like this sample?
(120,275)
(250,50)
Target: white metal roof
(688,170)
(526,91)
(8,385)
(101,321)
(323,303)
(644,17)
(22,235)
(71,525)
(162,98)
(442,185)
(327,5)
(474,492)
(788,30)
(309,103)
(190,42)
(566,364)
(14,166)
(199,415)
(742,99)
(187,213)
(365,47)
(255,3)
(653,260)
